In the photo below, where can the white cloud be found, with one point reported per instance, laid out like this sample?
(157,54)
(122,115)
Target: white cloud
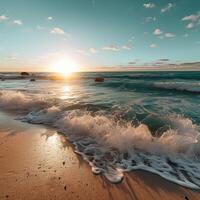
(193,20)
(190,25)
(58,31)
(150,19)
(111,48)
(49,18)
(93,50)
(18,22)
(169,35)
(127,47)
(152,45)
(3,17)
(162,34)
(157,32)
(167,7)
(149,5)
(193,17)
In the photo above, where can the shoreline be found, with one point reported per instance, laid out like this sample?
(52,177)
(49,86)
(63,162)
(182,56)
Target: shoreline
(38,163)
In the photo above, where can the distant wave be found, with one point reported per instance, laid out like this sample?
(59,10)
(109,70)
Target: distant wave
(151,75)
(17,76)
(113,146)
(179,86)
(108,75)
(143,86)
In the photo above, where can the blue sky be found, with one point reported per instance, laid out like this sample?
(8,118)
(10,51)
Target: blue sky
(98,33)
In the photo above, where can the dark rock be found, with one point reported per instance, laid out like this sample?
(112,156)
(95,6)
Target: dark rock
(32,80)
(65,188)
(25,74)
(99,79)
(63,163)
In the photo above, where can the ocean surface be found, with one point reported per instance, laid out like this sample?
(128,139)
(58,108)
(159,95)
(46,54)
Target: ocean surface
(133,120)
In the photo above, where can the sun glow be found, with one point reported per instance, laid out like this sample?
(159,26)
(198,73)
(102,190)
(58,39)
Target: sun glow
(65,67)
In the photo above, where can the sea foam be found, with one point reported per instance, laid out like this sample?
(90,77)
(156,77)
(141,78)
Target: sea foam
(179,86)
(113,146)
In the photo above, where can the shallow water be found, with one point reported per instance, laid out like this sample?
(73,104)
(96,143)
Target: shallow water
(134,120)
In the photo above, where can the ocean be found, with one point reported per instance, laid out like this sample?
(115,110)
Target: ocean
(133,120)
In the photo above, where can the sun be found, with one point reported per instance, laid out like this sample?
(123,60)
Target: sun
(64,67)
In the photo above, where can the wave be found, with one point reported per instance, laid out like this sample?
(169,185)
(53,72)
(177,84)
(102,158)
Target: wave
(113,146)
(19,101)
(143,86)
(148,75)
(107,75)
(179,86)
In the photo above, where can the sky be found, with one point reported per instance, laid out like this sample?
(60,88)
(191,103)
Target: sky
(99,34)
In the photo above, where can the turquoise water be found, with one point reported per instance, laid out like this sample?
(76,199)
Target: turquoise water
(133,120)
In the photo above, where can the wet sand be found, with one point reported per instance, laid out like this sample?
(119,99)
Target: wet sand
(37,163)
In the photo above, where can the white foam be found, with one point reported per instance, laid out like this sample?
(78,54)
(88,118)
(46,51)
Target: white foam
(112,147)
(18,101)
(181,86)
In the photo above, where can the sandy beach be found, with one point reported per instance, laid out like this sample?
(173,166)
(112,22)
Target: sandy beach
(37,163)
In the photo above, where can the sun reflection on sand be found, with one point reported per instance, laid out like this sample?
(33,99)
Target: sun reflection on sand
(53,140)
(56,152)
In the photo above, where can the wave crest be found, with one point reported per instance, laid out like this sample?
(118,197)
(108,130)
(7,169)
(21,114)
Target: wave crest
(179,86)
(112,146)
(18,101)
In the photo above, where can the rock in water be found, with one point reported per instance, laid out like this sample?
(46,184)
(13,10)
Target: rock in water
(32,80)
(99,79)
(25,74)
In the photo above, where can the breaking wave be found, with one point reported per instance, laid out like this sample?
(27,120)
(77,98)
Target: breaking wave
(19,101)
(142,86)
(113,146)
(179,86)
